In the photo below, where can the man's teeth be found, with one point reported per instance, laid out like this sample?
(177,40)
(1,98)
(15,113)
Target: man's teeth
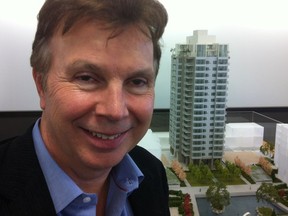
(103,136)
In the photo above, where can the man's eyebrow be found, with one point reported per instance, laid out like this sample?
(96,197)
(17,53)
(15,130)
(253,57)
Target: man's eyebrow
(91,67)
(83,65)
(144,72)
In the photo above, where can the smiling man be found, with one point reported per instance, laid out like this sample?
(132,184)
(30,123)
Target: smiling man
(94,64)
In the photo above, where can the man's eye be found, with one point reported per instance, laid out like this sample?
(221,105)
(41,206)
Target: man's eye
(138,86)
(87,81)
(139,82)
(85,78)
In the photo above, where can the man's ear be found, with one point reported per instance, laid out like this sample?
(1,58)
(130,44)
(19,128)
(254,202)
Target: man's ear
(38,79)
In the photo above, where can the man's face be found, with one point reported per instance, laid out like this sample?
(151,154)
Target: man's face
(99,97)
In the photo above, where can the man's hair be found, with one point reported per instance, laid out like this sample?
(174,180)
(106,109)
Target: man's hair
(57,14)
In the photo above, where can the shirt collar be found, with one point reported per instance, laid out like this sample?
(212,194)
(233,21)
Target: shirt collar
(126,176)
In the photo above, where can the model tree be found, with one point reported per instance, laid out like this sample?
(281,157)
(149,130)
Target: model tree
(267,192)
(219,197)
(178,169)
(201,172)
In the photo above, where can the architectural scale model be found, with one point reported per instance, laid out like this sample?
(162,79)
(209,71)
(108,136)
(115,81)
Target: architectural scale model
(199,72)
(281,151)
(244,136)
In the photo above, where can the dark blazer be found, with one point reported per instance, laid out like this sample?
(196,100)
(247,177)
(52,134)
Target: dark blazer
(23,189)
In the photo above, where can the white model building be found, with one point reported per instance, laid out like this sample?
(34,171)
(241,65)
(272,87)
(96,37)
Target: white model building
(281,151)
(199,71)
(244,136)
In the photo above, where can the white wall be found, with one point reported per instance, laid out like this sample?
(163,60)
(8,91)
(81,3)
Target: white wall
(281,151)
(256,31)
(17,25)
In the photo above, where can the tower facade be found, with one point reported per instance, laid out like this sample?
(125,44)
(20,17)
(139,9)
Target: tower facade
(199,73)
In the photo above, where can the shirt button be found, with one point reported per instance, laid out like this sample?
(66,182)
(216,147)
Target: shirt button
(87,199)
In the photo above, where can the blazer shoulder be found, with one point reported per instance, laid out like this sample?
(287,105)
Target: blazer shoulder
(8,140)
(5,146)
(14,147)
(143,157)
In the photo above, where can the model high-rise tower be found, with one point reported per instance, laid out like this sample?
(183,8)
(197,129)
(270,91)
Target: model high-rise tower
(199,72)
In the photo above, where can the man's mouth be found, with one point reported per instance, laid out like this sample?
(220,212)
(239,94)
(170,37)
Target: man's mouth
(104,136)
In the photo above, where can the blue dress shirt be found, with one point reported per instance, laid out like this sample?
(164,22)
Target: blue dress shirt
(70,200)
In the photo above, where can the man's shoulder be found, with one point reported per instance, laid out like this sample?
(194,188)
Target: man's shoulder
(138,150)
(15,147)
(7,141)
(27,136)
(146,161)
(140,154)
(5,146)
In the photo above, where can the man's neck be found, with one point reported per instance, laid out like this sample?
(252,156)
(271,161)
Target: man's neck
(93,183)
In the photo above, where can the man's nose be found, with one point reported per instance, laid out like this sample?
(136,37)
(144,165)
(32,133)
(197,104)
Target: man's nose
(113,104)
